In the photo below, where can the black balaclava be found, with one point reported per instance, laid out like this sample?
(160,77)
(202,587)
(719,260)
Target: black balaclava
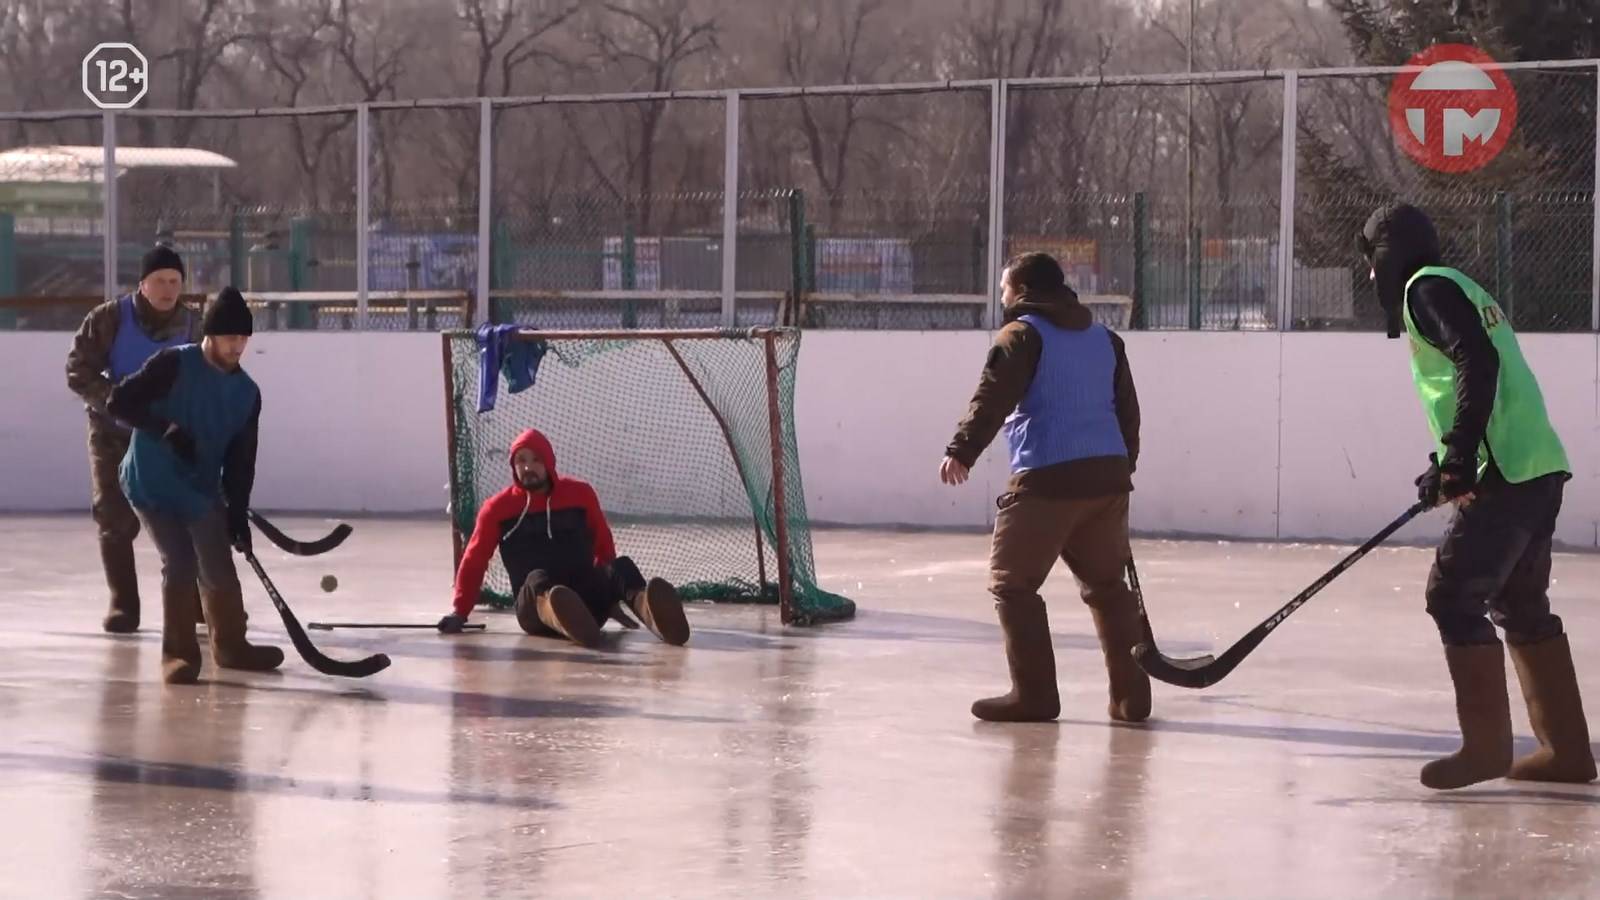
(1397,240)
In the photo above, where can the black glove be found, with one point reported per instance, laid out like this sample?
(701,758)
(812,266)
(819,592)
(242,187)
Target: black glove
(239,533)
(180,442)
(452,624)
(1428,483)
(1446,481)
(1458,473)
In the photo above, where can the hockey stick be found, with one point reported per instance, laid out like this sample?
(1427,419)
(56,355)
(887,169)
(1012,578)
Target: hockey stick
(1144,623)
(300,548)
(361,668)
(329,626)
(1204,671)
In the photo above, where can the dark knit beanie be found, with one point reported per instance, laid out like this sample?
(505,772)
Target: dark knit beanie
(228,314)
(161,257)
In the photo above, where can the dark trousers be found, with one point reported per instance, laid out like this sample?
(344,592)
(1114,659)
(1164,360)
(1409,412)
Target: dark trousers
(202,549)
(196,552)
(600,586)
(1494,565)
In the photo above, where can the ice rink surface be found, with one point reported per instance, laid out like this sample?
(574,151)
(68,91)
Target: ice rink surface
(761,761)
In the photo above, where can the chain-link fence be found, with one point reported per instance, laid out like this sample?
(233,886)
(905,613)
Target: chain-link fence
(887,206)
(873,209)
(1522,226)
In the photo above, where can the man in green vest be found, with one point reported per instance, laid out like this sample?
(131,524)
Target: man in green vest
(1500,462)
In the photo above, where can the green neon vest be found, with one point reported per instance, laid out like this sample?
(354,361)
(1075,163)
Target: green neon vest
(1520,438)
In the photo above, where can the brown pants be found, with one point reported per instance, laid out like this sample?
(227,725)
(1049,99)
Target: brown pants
(112,514)
(1090,536)
(114,519)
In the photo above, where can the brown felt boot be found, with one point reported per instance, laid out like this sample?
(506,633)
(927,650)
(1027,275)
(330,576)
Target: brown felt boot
(180,649)
(1555,708)
(1032,659)
(558,609)
(1479,674)
(116,557)
(660,609)
(1119,629)
(225,617)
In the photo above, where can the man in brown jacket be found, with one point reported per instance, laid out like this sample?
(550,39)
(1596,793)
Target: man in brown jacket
(1060,386)
(114,341)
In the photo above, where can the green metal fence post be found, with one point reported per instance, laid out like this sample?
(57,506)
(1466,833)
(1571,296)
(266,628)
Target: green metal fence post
(8,267)
(979,259)
(811,258)
(1195,261)
(798,266)
(1141,249)
(238,266)
(300,232)
(502,264)
(630,272)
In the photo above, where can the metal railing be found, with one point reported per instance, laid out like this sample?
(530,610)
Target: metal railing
(506,202)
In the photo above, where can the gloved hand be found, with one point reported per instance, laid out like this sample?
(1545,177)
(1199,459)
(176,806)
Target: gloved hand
(180,442)
(452,624)
(239,533)
(1446,481)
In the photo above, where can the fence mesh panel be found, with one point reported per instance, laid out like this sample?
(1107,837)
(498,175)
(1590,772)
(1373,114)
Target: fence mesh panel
(872,210)
(1522,226)
(597,225)
(1098,176)
(857,210)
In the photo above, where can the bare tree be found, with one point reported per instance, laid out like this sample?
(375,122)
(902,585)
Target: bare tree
(210,29)
(1050,135)
(505,37)
(646,44)
(512,32)
(295,49)
(1237,135)
(41,42)
(836,41)
(374,48)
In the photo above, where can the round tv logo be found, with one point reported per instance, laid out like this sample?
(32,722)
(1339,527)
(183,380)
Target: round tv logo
(1457,113)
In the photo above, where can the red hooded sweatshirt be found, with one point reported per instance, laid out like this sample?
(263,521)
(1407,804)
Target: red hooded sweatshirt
(560,531)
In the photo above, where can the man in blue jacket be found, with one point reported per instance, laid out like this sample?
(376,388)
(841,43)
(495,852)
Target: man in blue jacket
(1059,384)
(189,473)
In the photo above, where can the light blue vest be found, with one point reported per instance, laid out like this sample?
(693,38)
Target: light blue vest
(1070,409)
(132,347)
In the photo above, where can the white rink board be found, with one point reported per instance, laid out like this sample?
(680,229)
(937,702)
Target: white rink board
(1245,435)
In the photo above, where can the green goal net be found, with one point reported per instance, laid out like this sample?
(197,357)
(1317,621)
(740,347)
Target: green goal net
(688,437)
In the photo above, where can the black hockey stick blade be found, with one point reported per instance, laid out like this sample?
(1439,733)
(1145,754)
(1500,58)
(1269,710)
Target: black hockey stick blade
(1204,671)
(300,548)
(329,626)
(1148,644)
(360,668)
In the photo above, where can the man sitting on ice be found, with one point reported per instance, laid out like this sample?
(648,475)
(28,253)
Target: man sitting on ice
(556,545)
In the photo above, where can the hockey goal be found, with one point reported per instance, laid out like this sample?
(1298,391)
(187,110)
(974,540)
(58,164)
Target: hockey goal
(687,436)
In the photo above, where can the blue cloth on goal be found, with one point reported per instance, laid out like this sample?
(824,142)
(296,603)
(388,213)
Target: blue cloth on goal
(499,353)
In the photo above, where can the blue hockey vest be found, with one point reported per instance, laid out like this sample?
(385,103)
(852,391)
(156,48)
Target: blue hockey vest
(132,346)
(1070,409)
(213,406)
